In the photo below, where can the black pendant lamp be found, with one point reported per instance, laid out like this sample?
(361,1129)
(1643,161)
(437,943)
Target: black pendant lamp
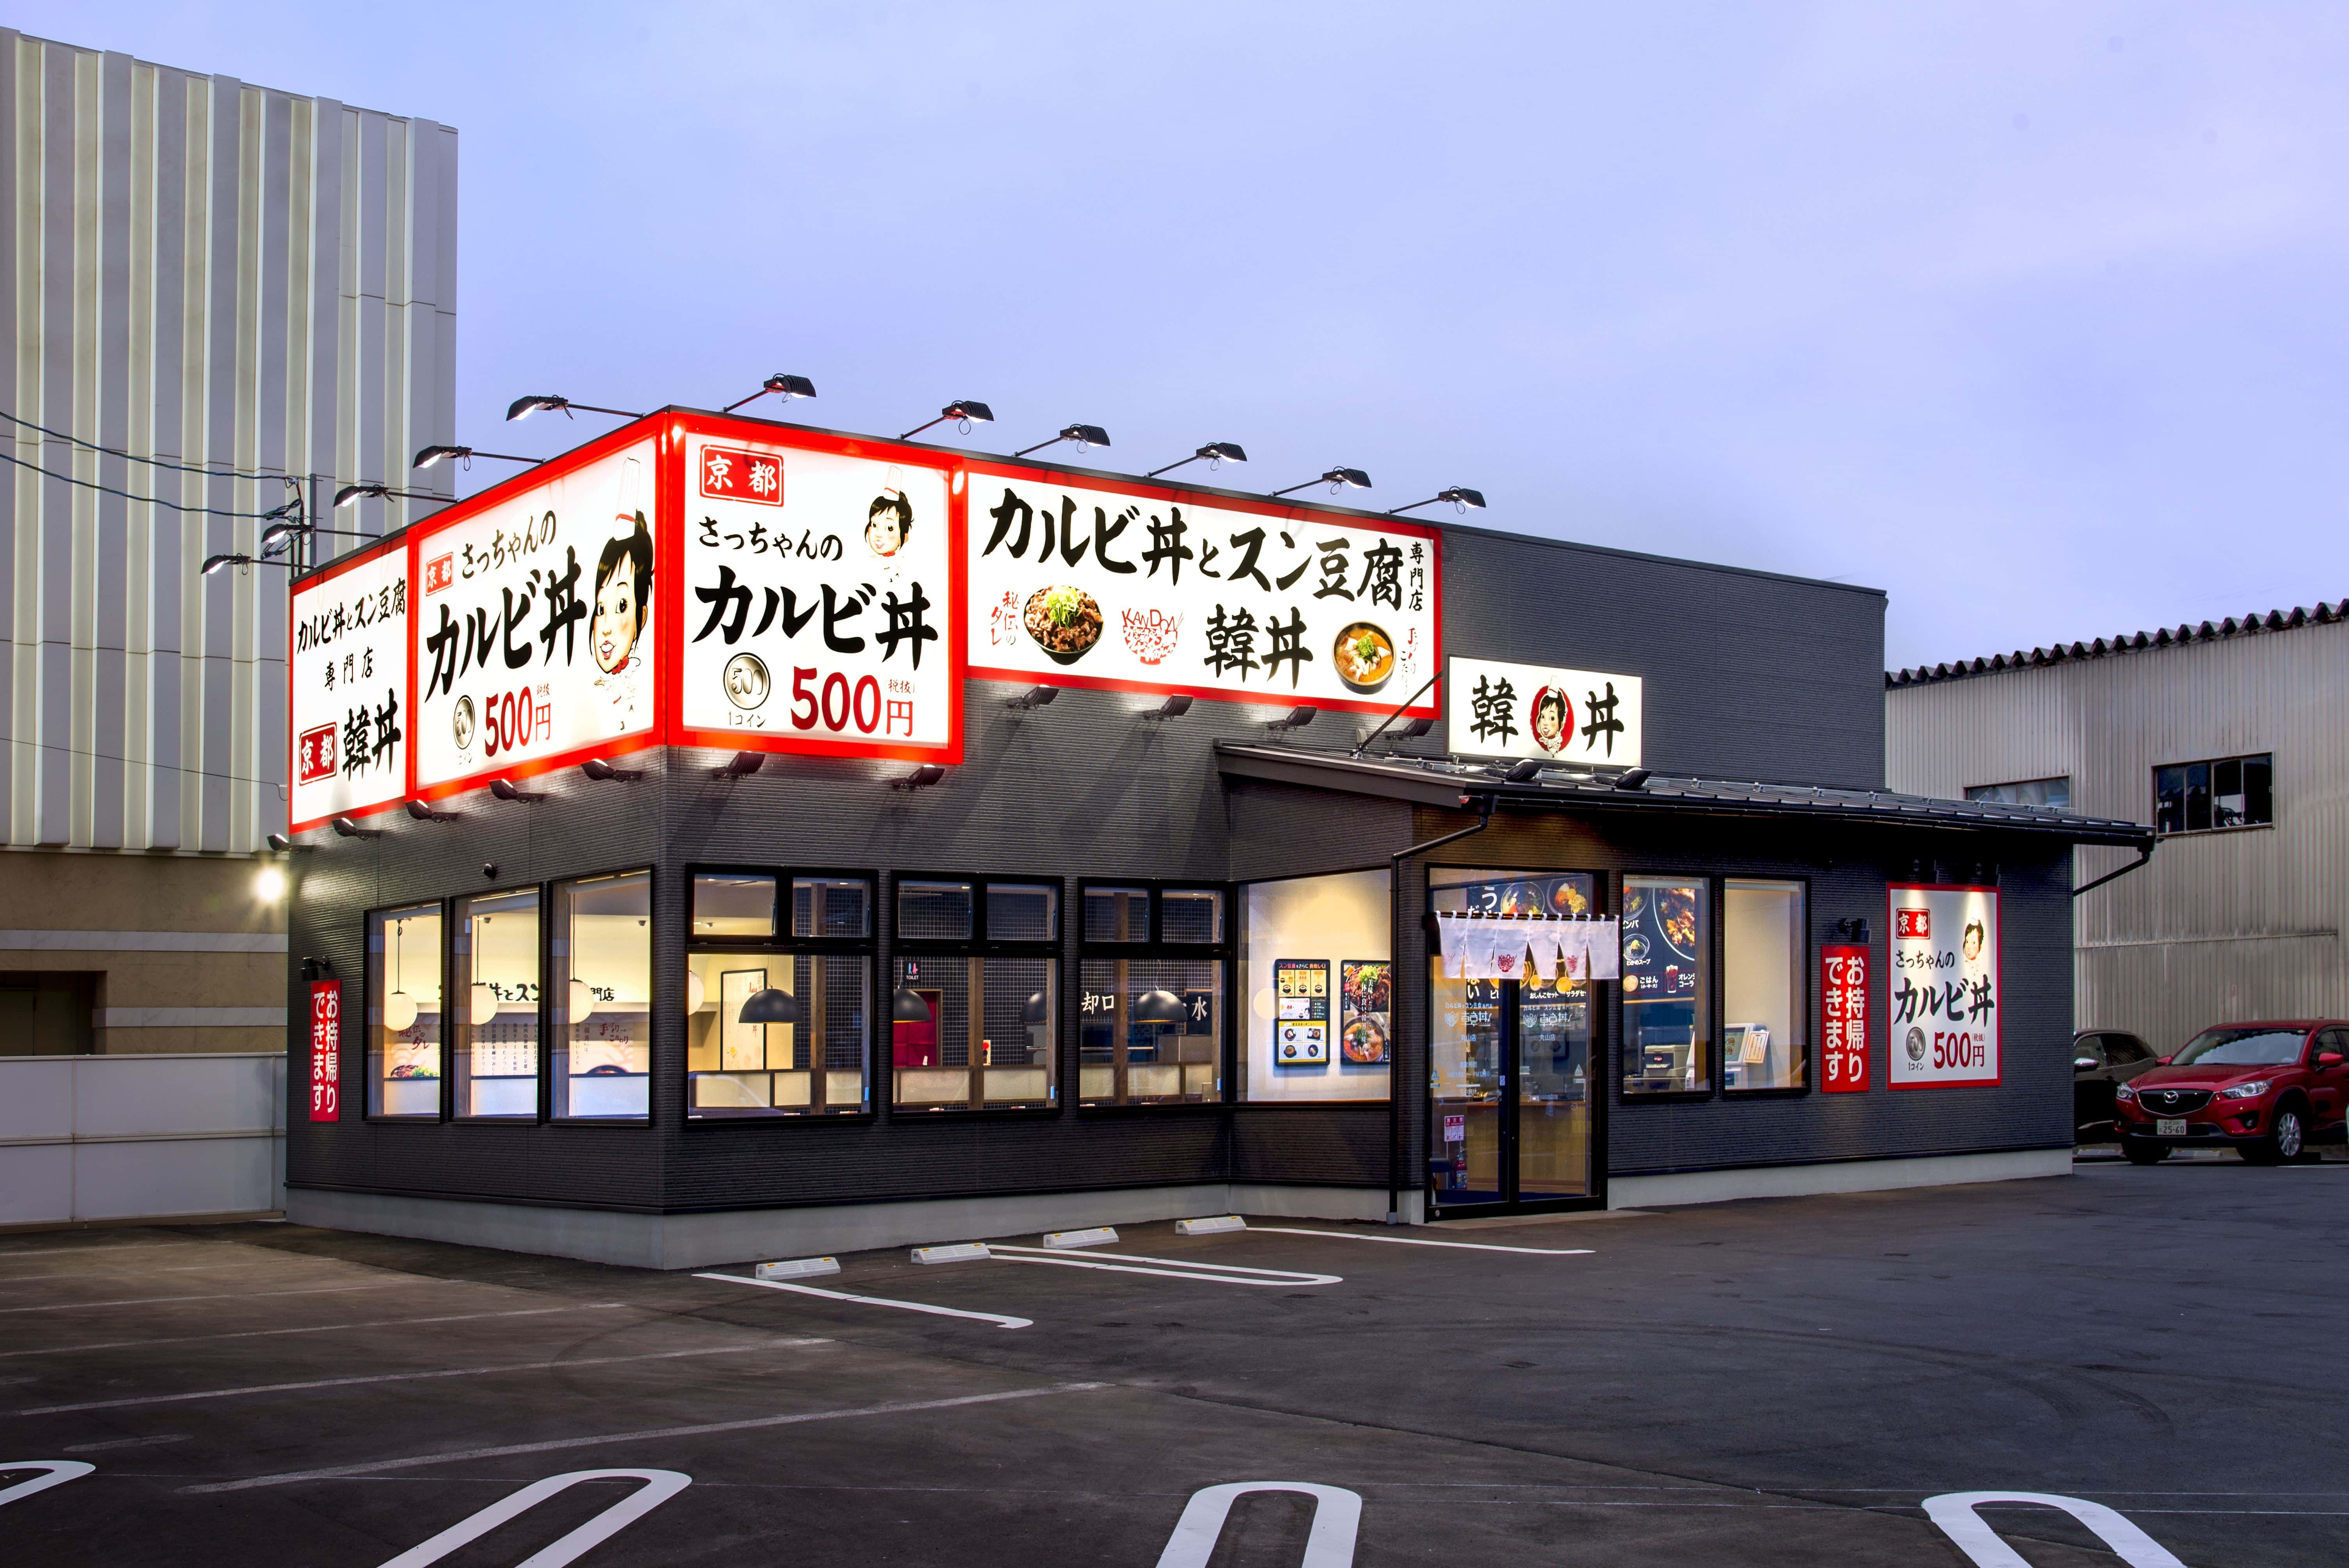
(772,1007)
(1159,1008)
(1038,1010)
(908,1005)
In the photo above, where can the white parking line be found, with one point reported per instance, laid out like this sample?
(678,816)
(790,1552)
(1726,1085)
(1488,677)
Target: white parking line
(754,1423)
(1417,1241)
(997,1318)
(1179,1268)
(320,1328)
(175,1268)
(409,1378)
(224,1296)
(95,1251)
(54,1472)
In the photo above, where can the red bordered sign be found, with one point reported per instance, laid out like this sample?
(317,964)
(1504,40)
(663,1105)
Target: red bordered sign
(1843,1019)
(326,1051)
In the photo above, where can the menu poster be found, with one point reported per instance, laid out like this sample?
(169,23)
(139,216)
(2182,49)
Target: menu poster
(1300,1024)
(1366,1018)
(1843,1019)
(1944,985)
(326,1051)
(1661,939)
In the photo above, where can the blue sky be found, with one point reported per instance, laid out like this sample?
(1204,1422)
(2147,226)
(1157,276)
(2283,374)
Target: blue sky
(2032,315)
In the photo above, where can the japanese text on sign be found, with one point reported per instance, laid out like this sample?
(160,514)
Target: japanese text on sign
(347,668)
(1494,710)
(1943,994)
(326,1051)
(1843,1019)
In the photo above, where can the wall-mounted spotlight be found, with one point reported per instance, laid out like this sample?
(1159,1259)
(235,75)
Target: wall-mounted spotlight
(784,386)
(1853,928)
(1297,718)
(1336,479)
(1637,779)
(285,846)
(1525,772)
(1461,497)
(1214,454)
(349,493)
(220,562)
(1175,706)
(425,813)
(1083,435)
(1412,729)
(1034,697)
(507,790)
(344,828)
(921,778)
(741,764)
(963,411)
(432,457)
(522,407)
(603,772)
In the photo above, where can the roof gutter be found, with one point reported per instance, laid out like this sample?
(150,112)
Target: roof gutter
(1395,1076)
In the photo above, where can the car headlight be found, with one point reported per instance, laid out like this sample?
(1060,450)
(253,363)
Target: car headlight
(2125,1092)
(2252,1091)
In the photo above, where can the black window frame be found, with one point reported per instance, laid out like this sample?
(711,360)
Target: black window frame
(1623,1003)
(1806,970)
(2209,764)
(547,905)
(447,959)
(1155,945)
(980,944)
(780,940)
(453,902)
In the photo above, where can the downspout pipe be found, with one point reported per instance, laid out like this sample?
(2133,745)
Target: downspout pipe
(2144,853)
(1395,1085)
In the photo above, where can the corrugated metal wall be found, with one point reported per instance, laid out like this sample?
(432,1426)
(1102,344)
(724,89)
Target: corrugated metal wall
(217,276)
(2241,923)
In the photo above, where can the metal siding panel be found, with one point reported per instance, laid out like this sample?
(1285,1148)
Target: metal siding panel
(111,565)
(223,599)
(55,563)
(12,485)
(170,589)
(378,445)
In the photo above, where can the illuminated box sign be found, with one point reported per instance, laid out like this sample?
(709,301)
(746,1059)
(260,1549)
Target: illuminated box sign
(1944,994)
(326,1051)
(347,699)
(1843,1018)
(1494,710)
(1136,588)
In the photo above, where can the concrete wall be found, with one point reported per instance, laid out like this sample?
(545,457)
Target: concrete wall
(93,1137)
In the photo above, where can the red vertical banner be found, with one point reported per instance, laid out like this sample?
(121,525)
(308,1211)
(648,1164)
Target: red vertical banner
(1843,1019)
(326,1051)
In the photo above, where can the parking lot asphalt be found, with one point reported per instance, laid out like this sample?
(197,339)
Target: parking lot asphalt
(1780,1381)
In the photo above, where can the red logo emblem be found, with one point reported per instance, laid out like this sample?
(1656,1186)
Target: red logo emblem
(731,473)
(439,572)
(314,754)
(1917,924)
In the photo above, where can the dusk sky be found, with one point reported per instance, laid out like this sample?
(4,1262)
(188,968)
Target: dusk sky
(2032,315)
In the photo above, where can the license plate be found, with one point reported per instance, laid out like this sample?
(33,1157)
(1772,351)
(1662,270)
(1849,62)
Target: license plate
(2169,1126)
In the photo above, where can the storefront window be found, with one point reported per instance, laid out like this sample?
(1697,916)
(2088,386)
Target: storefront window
(1766,1005)
(1667,986)
(783,1029)
(1316,967)
(728,905)
(498,987)
(974,1002)
(403,1015)
(1150,1020)
(603,997)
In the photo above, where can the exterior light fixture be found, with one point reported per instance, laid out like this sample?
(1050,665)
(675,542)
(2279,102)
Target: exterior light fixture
(784,386)
(908,1005)
(1525,772)
(1336,479)
(1461,497)
(921,778)
(1637,779)
(963,411)
(424,813)
(522,407)
(772,1006)
(1158,1008)
(1034,697)
(216,563)
(603,772)
(285,846)
(430,457)
(741,764)
(507,790)
(1083,435)
(344,828)
(1853,928)
(269,884)
(1175,706)
(1214,454)
(349,493)
(1297,718)
(1412,729)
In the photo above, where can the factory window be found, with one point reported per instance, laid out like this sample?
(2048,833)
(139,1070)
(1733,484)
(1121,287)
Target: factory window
(779,1025)
(2202,796)
(974,995)
(2054,792)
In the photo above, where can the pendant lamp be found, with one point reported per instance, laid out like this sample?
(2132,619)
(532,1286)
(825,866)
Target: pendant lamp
(485,1004)
(772,1007)
(583,1000)
(696,995)
(399,1011)
(1158,1008)
(908,1005)
(1039,1009)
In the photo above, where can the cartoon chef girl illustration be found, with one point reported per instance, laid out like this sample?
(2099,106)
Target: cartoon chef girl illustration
(1551,716)
(889,520)
(624,588)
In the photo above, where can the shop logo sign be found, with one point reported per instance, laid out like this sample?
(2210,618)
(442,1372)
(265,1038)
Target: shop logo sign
(439,572)
(314,753)
(1916,1044)
(733,473)
(1913,925)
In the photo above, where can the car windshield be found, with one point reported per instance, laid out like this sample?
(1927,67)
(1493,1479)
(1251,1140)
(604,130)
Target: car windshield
(2241,1048)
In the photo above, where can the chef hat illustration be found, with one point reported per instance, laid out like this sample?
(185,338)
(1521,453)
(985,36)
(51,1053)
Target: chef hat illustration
(628,513)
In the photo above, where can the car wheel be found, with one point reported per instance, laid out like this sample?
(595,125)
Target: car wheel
(2284,1142)
(2143,1151)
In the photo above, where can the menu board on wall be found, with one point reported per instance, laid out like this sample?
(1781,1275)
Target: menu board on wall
(1366,1023)
(1301,1024)
(534,622)
(1944,991)
(1140,589)
(820,607)
(1494,710)
(346,671)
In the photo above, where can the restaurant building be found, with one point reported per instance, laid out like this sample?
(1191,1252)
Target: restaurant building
(732,840)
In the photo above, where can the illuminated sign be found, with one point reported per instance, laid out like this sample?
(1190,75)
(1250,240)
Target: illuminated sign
(1943,993)
(347,699)
(1494,710)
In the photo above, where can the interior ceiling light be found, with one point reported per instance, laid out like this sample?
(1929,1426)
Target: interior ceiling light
(772,1007)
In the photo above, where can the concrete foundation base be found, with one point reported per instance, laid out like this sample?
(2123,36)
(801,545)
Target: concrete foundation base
(701,1240)
(1844,1176)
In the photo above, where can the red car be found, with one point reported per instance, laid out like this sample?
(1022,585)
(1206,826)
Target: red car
(2266,1089)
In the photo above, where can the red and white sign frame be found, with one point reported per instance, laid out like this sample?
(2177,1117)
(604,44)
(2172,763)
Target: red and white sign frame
(326,1051)
(318,580)
(1843,1018)
(1893,1038)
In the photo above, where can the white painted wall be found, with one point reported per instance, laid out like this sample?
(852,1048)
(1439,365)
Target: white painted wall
(140,1137)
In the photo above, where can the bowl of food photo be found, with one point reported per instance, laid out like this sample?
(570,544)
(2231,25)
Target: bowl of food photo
(1363,657)
(1063,621)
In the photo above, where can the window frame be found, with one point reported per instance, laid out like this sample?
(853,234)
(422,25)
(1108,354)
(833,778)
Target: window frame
(453,902)
(1806,974)
(779,941)
(447,958)
(548,905)
(1234,1079)
(981,946)
(1155,947)
(2210,765)
(1712,958)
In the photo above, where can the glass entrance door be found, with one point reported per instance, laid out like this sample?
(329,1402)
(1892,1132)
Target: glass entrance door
(1514,1094)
